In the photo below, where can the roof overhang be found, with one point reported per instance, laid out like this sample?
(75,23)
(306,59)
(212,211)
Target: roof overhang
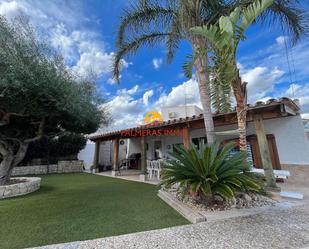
(273,108)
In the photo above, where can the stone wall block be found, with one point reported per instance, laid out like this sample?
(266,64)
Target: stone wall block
(75,166)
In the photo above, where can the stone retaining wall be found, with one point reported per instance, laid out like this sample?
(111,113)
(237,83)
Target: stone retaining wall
(61,167)
(31,184)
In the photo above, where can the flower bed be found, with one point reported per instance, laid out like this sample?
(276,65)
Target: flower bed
(241,200)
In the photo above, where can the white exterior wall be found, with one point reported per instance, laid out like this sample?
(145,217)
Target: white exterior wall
(166,141)
(167,145)
(195,133)
(134,146)
(291,141)
(180,111)
(86,155)
(293,147)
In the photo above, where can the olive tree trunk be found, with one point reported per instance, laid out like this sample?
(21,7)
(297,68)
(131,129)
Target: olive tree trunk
(202,76)
(10,160)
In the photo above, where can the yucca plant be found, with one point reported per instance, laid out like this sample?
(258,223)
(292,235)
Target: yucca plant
(210,170)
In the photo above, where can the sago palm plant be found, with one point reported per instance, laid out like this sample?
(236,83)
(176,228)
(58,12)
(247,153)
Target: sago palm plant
(210,170)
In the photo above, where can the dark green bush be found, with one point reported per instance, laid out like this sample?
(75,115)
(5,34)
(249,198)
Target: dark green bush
(64,147)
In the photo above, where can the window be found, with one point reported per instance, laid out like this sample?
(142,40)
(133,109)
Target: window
(197,140)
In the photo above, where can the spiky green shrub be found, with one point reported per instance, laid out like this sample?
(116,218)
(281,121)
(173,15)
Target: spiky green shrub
(210,170)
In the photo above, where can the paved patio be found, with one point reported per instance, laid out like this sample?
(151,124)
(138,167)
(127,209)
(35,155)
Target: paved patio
(130,175)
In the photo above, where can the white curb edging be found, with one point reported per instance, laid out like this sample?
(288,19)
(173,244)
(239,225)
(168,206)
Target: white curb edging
(189,214)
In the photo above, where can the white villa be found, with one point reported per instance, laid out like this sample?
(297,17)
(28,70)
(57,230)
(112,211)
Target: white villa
(276,121)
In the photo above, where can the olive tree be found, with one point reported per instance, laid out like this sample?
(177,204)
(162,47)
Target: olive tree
(39,96)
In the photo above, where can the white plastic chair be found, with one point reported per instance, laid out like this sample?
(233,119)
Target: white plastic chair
(149,169)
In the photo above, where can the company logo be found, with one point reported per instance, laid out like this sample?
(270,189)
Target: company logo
(153,117)
(149,128)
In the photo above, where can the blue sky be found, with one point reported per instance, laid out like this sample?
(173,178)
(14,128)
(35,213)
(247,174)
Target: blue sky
(85,33)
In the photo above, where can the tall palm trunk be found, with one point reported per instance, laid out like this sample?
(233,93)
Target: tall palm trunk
(242,126)
(240,93)
(202,75)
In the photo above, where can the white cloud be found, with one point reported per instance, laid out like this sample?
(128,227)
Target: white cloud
(281,39)
(62,23)
(300,92)
(292,89)
(85,50)
(44,14)
(10,9)
(95,61)
(112,81)
(133,90)
(274,57)
(185,93)
(146,97)
(126,110)
(128,107)
(157,62)
(124,104)
(261,81)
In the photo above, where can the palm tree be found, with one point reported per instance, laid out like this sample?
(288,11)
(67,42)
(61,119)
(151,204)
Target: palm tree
(152,22)
(225,38)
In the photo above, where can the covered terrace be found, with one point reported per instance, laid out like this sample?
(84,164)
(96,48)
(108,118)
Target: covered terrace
(261,143)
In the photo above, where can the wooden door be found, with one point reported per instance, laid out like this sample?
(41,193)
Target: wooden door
(252,140)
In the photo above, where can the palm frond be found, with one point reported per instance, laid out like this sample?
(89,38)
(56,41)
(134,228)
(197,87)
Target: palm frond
(187,66)
(252,11)
(149,40)
(172,42)
(143,16)
(289,15)
(212,10)
(220,84)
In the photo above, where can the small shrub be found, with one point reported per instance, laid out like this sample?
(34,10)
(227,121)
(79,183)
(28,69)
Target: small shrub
(210,170)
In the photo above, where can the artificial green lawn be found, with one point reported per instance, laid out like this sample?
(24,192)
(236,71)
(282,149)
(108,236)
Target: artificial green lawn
(71,207)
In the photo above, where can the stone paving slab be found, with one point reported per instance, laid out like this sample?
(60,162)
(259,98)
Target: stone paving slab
(275,228)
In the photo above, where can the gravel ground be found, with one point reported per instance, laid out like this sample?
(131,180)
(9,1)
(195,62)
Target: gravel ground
(275,228)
